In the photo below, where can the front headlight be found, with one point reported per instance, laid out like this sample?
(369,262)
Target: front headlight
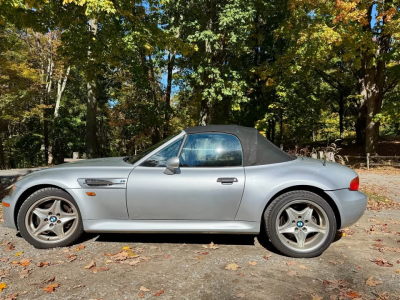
(11,189)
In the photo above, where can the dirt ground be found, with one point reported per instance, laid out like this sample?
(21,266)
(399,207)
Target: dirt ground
(363,263)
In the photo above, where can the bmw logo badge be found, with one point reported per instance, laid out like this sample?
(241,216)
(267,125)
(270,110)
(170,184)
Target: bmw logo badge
(53,219)
(300,223)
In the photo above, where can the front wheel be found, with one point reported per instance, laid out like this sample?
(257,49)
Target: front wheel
(300,224)
(50,218)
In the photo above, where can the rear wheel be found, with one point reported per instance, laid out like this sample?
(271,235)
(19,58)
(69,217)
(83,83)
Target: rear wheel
(300,224)
(50,218)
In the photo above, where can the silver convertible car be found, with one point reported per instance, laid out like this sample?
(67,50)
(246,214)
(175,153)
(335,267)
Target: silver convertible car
(211,179)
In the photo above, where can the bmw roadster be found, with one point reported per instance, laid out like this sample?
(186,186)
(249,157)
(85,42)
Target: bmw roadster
(211,179)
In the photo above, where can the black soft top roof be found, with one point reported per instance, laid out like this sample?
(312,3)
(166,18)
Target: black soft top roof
(257,150)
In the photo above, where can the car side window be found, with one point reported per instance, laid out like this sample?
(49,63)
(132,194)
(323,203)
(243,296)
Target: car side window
(160,158)
(211,150)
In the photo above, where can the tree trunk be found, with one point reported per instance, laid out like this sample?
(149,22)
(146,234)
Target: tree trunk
(57,149)
(361,123)
(60,90)
(281,125)
(171,61)
(273,131)
(204,113)
(2,160)
(91,113)
(341,115)
(49,81)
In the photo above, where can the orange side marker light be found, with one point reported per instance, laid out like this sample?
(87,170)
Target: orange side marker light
(6,204)
(90,193)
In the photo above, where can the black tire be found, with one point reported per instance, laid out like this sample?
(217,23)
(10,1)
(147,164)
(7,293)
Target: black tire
(34,198)
(271,215)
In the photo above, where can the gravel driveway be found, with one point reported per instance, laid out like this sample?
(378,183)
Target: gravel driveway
(364,263)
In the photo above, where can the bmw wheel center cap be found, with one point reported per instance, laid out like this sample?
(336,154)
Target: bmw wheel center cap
(300,224)
(53,219)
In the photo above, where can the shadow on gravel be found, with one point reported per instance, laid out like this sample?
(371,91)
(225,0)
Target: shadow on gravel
(165,238)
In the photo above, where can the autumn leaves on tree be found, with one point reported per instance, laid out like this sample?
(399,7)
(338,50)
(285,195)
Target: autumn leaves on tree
(112,77)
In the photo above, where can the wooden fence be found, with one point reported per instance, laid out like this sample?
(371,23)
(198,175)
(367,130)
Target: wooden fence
(376,160)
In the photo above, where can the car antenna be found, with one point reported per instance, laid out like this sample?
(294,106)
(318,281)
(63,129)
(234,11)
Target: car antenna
(325,149)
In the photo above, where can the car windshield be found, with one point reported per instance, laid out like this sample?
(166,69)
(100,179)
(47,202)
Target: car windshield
(135,158)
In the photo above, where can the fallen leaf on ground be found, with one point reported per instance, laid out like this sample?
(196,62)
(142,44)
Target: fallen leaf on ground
(252,263)
(120,256)
(95,270)
(240,295)
(213,246)
(134,262)
(397,271)
(144,289)
(267,256)
(51,287)
(49,280)
(382,263)
(353,295)
(140,295)
(292,273)
(80,247)
(91,265)
(335,284)
(232,267)
(316,297)
(71,258)
(291,263)
(10,247)
(19,253)
(25,262)
(167,256)
(79,286)
(159,293)
(4,259)
(3,286)
(371,282)
(303,267)
(42,264)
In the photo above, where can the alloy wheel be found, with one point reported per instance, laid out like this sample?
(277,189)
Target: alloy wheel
(51,219)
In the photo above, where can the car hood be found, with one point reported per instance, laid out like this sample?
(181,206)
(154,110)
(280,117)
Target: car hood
(67,175)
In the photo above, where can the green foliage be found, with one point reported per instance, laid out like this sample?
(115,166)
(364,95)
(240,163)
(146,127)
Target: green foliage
(297,70)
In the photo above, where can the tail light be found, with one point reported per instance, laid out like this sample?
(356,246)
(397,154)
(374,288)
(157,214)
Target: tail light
(354,184)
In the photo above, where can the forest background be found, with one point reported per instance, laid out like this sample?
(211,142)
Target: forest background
(112,77)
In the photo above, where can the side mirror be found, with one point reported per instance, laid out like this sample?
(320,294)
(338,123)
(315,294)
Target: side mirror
(172,164)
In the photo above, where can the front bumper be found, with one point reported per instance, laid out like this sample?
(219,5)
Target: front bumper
(351,205)
(8,213)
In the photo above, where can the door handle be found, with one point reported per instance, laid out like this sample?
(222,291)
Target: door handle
(227,180)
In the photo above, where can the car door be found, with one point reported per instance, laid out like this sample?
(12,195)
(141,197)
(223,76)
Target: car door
(208,185)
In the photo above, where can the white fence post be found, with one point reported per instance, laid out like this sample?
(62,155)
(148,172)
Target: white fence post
(367,161)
